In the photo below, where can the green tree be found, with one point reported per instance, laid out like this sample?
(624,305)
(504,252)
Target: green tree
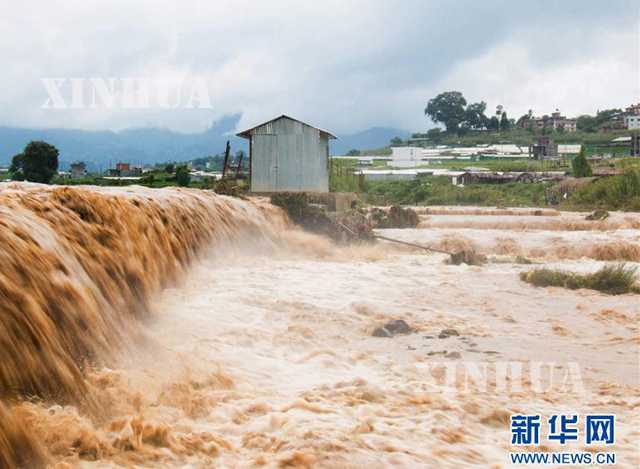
(474,116)
(396,141)
(587,124)
(169,168)
(607,115)
(445,107)
(452,125)
(493,123)
(353,152)
(183,177)
(521,120)
(148,178)
(435,134)
(38,162)
(504,121)
(580,165)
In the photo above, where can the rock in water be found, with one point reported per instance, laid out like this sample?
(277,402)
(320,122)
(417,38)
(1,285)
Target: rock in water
(378,217)
(382,332)
(397,217)
(402,217)
(468,257)
(446,333)
(396,326)
(598,215)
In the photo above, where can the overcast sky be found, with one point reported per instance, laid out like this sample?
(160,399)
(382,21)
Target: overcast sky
(341,65)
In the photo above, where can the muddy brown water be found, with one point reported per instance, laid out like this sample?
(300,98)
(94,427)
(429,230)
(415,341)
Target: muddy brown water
(173,328)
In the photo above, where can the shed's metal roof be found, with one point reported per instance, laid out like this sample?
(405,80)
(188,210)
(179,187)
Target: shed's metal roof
(247,133)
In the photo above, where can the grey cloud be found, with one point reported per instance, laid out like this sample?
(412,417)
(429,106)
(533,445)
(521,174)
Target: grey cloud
(343,65)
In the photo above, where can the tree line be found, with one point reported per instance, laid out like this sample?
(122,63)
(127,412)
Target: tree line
(451,110)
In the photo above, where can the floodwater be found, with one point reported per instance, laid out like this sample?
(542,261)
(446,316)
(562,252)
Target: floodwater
(261,354)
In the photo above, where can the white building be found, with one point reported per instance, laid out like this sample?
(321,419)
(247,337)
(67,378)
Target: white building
(633,122)
(406,157)
(568,150)
(408,174)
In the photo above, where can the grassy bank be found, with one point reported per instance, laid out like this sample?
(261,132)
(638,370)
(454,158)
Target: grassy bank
(620,192)
(613,279)
(440,191)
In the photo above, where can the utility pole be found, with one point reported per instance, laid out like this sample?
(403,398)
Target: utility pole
(226,160)
(239,164)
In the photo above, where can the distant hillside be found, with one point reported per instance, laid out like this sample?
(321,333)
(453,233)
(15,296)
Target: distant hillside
(151,145)
(146,145)
(375,137)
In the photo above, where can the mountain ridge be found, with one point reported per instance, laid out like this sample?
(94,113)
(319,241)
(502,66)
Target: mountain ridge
(149,145)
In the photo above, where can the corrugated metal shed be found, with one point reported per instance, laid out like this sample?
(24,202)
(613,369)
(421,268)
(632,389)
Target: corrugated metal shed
(288,155)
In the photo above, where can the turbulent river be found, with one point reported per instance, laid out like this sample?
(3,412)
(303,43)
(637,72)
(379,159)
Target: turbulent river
(176,328)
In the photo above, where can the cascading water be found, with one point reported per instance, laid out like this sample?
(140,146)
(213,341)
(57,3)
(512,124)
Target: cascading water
(78,267)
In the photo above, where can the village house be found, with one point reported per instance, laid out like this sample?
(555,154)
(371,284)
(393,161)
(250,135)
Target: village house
(545,149)
(556,122)
(78,170)
(125,170)
(633,122)
(631,117)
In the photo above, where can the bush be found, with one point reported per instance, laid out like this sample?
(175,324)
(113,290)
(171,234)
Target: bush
(434,201)
(619,192)
(632,205)
(183,177)
(148,179)
(614,279)
(38,162)
(623,189)
(580,165)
